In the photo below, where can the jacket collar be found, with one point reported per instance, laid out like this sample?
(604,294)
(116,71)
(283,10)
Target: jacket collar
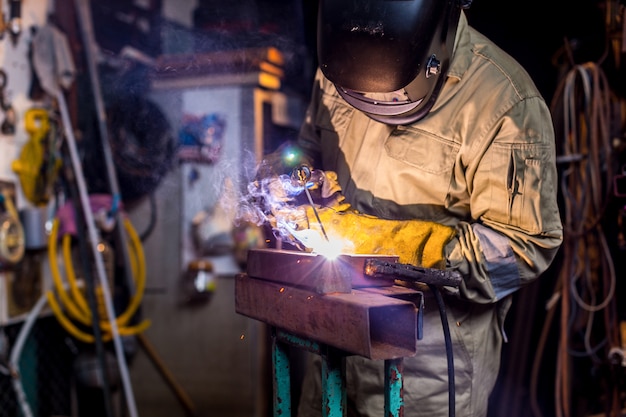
(462,56)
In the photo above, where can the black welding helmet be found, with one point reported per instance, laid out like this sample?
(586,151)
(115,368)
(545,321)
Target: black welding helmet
(388,58)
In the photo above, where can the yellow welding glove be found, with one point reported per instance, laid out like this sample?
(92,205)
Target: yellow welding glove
(415,242)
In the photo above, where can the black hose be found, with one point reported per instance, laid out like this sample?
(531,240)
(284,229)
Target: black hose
(433,278)
(143,236)
(449,352)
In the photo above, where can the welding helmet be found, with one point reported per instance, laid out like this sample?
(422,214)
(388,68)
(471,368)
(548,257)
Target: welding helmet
(388,58)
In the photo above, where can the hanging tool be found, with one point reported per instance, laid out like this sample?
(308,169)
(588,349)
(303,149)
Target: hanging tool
(38,163)
(11,231)
(8,125)
(301,175)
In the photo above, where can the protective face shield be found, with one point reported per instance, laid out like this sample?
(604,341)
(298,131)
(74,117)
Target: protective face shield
(388,58)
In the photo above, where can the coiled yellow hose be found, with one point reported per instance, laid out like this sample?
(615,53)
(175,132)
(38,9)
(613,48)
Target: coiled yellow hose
(75,303)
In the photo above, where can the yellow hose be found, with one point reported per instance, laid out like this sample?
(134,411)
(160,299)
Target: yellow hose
(69,270)
(69,304)
(77,306)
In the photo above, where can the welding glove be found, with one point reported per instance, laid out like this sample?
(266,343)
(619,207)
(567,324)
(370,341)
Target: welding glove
(415,242)
(323,188)
(281,179)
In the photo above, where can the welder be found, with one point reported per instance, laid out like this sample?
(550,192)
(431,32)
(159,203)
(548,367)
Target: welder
(425,125)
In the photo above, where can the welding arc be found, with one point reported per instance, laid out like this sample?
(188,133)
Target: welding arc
(317,216)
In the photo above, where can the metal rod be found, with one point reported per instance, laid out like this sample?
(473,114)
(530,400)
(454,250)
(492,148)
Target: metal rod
(334,396)
(85,22)
(281,378)
(94,238)
(394,388)
(308,195)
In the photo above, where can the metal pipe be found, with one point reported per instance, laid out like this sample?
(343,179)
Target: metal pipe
(85,22)
(97,255)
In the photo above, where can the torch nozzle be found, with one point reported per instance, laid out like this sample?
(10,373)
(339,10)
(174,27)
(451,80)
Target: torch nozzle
(301,175)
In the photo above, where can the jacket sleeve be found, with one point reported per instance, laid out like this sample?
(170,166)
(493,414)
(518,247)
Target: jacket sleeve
(516,229)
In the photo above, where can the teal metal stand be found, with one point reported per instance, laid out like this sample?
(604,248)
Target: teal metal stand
(333,377)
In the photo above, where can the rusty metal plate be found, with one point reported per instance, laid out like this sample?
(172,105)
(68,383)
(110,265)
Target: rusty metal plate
(361,322)
(314,272)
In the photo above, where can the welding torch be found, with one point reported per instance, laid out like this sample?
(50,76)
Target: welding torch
(433,278)
(301,175)
(377,268)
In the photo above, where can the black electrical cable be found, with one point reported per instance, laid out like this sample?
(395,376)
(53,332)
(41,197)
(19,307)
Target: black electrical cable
(153,219)
(433,278)
(89,283)
(449,352)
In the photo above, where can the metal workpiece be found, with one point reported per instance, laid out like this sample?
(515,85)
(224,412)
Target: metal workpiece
(315,272)
(374,324)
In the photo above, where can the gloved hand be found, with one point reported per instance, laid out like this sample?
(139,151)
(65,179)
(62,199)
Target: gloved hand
(273,186)
(285,178)
(415,242)
(322,186)
(280,201)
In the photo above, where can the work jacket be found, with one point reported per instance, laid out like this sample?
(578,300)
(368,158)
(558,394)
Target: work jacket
(483,161)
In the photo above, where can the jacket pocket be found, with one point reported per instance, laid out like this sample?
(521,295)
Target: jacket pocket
(430,159)
(527,184)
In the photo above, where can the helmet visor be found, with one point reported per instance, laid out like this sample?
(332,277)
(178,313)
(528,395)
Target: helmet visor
(384,104)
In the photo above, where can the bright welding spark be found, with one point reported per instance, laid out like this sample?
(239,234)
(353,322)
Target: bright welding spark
(317,243)
(330,251)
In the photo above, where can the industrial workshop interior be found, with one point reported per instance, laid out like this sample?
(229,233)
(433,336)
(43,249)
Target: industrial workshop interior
(130,132)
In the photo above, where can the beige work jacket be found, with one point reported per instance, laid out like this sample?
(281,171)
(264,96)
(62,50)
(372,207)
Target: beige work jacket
(482,160)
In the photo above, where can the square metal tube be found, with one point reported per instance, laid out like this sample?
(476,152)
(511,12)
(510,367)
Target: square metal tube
(373,324)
